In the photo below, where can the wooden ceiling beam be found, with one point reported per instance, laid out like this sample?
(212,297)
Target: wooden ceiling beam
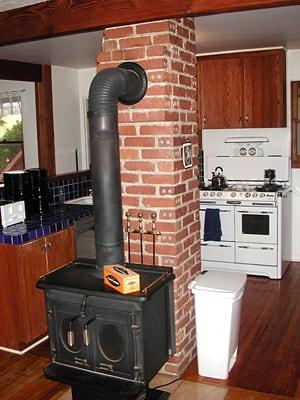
(61,17)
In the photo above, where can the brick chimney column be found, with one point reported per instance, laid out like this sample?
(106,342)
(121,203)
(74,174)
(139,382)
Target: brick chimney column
(154,179)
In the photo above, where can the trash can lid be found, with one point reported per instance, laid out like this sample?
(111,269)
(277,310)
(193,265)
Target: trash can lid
(219,282)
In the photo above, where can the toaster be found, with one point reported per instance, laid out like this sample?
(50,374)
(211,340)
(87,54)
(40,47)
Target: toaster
(12,212)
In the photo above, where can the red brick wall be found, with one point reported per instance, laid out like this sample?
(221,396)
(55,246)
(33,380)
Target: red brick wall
(153,177)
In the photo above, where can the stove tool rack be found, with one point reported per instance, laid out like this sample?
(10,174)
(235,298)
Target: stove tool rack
(141,231)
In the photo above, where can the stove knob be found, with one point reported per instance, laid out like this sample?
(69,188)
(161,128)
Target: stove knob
(262,195)
(247,194)
(212,193)
(255,194)
(233,194)
(219,194)
(205,194)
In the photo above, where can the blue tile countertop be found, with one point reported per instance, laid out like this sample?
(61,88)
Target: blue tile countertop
(56,219)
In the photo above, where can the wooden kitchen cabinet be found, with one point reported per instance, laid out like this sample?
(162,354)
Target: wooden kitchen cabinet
(24,317)
(242,90)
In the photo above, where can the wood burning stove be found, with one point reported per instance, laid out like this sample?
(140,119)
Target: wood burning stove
(105,344)
(95,330)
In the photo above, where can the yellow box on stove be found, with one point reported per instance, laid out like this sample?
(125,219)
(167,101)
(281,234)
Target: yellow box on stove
(120,278)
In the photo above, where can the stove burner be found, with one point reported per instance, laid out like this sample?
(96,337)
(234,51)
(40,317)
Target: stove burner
(269,187)
(203,187)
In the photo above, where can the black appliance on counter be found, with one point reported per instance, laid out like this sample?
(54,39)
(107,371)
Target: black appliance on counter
(104,344)
(17,187)
(29,185)
(40,189)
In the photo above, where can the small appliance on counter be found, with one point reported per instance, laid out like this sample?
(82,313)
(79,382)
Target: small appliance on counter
(30,186)
(39,188)
(11,212)
(17,187)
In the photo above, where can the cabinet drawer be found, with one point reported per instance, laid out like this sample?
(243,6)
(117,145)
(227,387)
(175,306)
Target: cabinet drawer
(249,253)
(217,251)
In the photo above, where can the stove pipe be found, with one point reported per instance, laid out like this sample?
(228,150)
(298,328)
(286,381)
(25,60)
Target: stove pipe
(127,84)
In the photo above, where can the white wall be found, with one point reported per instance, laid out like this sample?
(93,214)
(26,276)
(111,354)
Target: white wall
(85,78)
(70,87)
(293,235)
(66,117)
(29,119)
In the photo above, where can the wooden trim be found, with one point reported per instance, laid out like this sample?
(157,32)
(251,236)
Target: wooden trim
(20,71)
(243,54)
(60,17)
(71,175)
(294,121)
(45,129)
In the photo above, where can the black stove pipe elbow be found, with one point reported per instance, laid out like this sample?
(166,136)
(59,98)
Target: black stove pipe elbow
(127,84)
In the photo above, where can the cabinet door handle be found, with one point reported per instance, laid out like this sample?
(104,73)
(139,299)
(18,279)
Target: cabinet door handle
(44,247)
(204,120)
(49,246)
(246,118)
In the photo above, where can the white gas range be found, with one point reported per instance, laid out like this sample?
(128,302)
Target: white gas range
(249,210)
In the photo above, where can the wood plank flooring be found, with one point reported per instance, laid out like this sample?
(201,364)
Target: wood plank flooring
(269,345)
(268,359)
(22,377)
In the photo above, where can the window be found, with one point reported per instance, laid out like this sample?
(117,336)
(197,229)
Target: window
(11,132)
(295,124)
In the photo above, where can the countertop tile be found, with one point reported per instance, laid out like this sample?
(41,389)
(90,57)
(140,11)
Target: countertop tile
(36,226)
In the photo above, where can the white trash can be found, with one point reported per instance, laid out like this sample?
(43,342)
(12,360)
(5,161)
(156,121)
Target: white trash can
(218,296)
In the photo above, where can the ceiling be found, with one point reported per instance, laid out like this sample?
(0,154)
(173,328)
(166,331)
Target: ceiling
(10,4)
(276,27)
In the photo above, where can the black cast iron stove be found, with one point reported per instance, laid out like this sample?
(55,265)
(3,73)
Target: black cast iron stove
(103,340)
(107,345)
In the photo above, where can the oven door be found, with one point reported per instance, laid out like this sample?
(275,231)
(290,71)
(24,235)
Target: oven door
(256,224)
(226,218)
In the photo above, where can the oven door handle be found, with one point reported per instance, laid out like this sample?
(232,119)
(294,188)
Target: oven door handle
(255,213)
(255,248)
(216,245)
(263,204)
(202,209)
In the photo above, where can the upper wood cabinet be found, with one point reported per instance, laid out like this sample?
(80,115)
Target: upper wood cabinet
(295,123)
(242,90)
(24,317)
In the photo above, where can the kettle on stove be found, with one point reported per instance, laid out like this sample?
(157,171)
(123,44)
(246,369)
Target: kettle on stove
(218,179)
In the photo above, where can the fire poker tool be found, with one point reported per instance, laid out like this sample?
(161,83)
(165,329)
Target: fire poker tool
(154,232)
(128,229)
(141,231)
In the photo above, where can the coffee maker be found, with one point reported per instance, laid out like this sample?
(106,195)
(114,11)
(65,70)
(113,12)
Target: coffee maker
(40,191)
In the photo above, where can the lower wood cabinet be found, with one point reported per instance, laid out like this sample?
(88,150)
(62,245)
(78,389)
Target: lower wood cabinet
(22,311)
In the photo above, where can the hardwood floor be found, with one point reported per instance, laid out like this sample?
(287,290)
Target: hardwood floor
(269,345)
(268,359)
(22,378)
